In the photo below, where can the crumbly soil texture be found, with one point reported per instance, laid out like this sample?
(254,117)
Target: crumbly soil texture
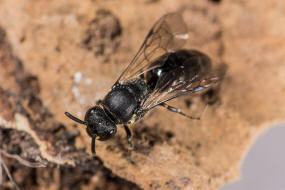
(58,56)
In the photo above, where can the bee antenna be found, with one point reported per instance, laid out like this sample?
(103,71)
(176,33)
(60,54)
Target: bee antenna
(75,118)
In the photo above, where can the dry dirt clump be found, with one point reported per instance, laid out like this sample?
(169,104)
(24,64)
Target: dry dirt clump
(103,34)
(58,56)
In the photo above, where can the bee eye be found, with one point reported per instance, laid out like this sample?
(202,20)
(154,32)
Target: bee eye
(111,132)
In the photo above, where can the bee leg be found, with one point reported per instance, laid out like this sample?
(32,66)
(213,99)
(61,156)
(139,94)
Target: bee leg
(175,110)
(93,147)
(130,143)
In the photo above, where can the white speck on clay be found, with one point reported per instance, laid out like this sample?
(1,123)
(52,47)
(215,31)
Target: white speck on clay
(77,77)
(82,101)
(88,81)
(79,114)
(75,92)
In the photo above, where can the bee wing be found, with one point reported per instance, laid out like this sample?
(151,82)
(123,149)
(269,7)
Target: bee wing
(193,76)
(168,34)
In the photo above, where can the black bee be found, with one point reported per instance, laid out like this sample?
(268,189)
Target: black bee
(160,71)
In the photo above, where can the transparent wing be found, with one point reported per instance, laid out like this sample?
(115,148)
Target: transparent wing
(191,76)
(168,34)
(168,70)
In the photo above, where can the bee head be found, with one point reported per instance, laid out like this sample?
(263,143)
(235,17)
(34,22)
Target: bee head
(99,125)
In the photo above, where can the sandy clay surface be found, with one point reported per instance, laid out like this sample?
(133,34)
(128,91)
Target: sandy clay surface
(64,55)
